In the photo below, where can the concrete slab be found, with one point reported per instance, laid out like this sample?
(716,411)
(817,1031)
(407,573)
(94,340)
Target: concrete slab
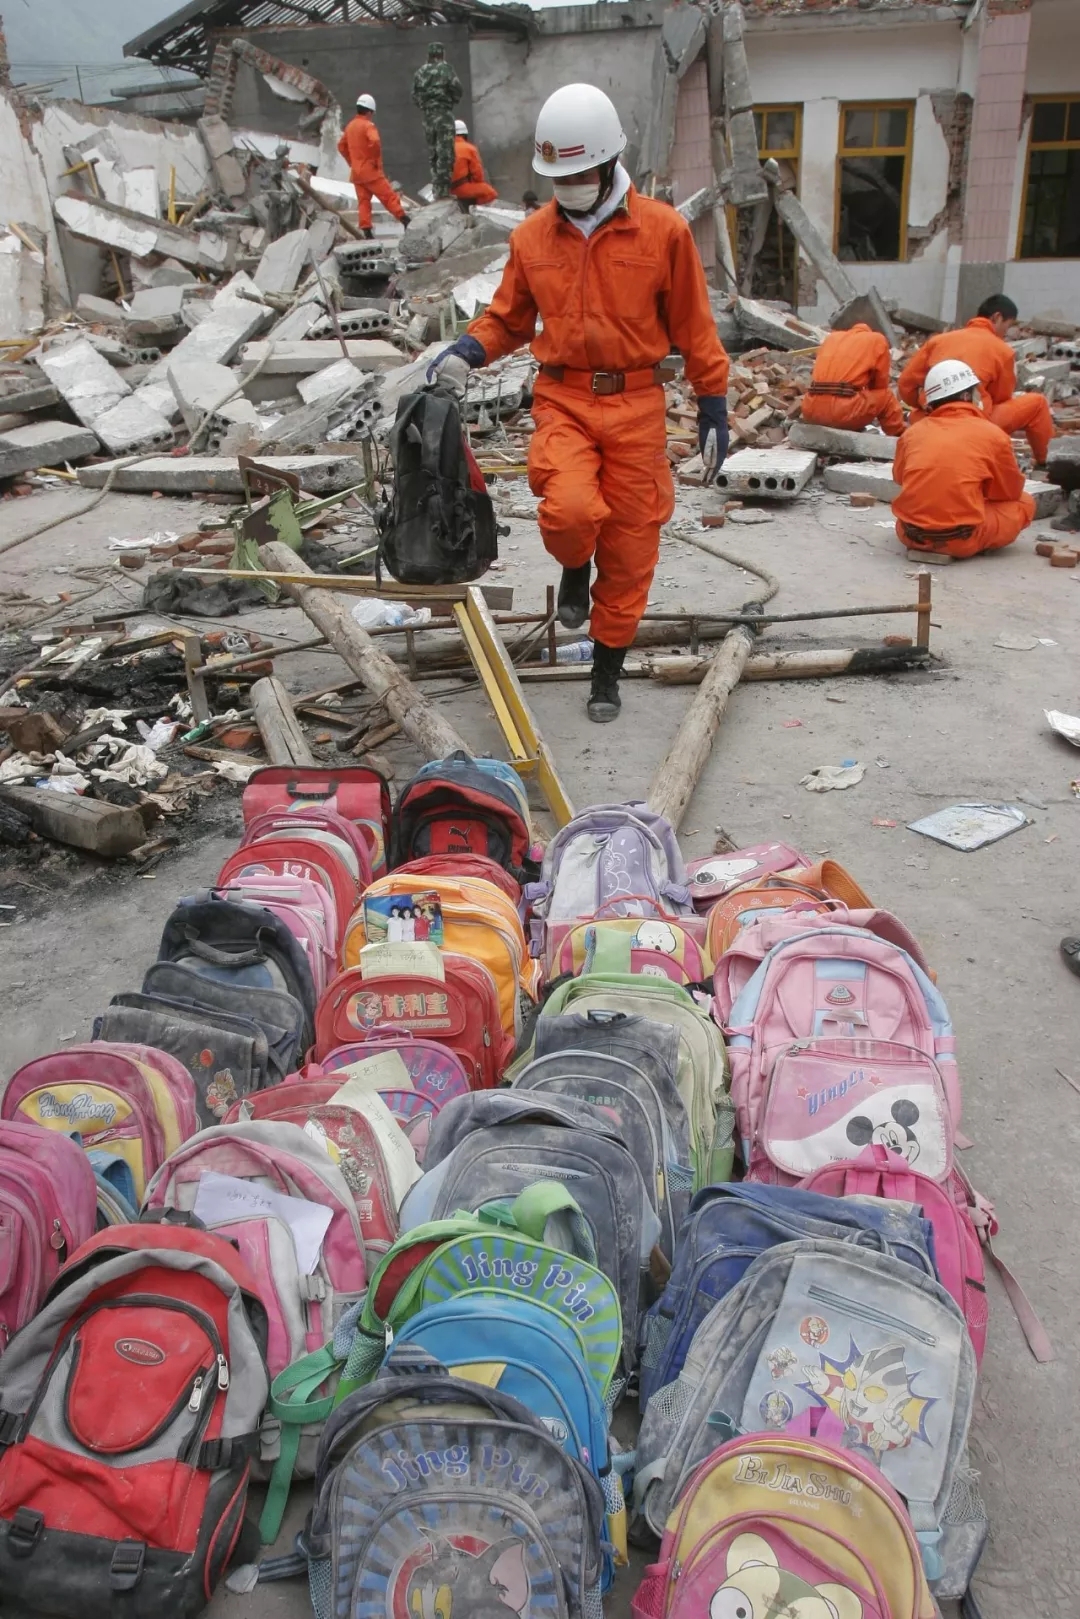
(280,266)
(839,441)
(200,386)
(1047,496)
(773,474)
(131,425)
(333,382)
(1062,463)
(158,303)
(302,359)
(355,323)
(862,478)
(85,378)
(773,326)
(103,223)
(210,474)
(44,444)
(91,308)
(217,339)
(27,391)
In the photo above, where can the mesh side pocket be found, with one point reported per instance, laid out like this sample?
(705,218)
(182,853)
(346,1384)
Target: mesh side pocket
(670,1404)
(680,1177)
(320,1583)
(592,1603)
(657,1333)
(965,1503)
(364,1358)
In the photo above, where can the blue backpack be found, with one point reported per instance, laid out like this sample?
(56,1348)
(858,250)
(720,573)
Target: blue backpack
(729,1226)
(522,1350)
(463,806)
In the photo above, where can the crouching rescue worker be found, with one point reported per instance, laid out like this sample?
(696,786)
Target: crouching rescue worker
(850,383)
(617,281)
(361,147)
(982,345)
(467,182)
(961,490)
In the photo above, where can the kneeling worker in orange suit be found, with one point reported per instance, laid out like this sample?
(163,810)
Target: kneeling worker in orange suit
(982,345)
(850,383)
(617,281)
(361,147)
(961,490)
(467,182)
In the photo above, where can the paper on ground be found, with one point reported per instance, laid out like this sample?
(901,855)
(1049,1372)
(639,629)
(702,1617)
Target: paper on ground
(220,1198)
(412,957)
(1066,725)
(398,1156)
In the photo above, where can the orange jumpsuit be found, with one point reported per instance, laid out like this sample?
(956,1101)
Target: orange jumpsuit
(961,490)
(467,181)
(612,308)
(361,147)
(994,363)
(850,383)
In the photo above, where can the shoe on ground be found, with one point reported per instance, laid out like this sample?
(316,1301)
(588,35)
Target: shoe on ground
(604,701)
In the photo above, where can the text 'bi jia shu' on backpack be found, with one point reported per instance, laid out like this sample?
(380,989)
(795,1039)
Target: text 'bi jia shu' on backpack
(129,1411)
(437,1495)
(815,1325)
(787,1523)
(440,529)
(464,806)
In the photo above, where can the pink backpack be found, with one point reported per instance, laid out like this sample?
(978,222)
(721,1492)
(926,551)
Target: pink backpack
(739,962)
(832,981)
(304,1305)
(715,875)
(307,908)
(48,1208)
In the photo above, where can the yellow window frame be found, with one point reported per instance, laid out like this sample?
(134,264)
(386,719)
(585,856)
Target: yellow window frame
(843,151)
(790,153)
(1033,145)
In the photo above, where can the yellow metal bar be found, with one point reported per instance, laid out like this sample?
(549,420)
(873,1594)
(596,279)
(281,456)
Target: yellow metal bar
(498,659)
(489,679)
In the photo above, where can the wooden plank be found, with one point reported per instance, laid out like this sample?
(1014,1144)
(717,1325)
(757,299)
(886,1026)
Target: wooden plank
(282,734)
(84,823)
(419,719)
(500,597)
(673,785)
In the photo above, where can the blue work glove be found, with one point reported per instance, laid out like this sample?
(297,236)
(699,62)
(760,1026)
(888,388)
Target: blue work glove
(451,368)
(712,430)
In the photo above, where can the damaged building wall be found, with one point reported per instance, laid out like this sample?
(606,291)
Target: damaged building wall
(26,202)
(608,45)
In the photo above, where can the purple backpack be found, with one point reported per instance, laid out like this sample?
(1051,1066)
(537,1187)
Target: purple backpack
(611,860)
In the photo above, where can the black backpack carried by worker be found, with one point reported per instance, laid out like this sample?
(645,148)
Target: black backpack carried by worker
(440,527)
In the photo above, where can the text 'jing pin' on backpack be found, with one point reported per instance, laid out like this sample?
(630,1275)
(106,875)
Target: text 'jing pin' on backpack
(440,529)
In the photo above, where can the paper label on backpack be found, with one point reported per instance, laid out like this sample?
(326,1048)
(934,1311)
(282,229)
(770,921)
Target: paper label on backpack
(382,1071)
(397,1152)
(221,1198)
(404,918)
(403,958)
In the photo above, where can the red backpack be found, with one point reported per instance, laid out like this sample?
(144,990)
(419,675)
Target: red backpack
(461,1012)
(129,1413)
(355,792)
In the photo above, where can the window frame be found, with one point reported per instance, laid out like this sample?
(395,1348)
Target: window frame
(1067,99)
(791,154)
(842,151)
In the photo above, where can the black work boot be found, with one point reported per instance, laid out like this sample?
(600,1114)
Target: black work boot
(368,234)
(573,607)
(604,701)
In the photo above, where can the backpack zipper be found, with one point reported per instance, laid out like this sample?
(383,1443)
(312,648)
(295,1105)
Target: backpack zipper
(30,1290)
(867,1312)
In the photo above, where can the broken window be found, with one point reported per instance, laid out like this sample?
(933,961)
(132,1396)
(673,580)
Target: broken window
(776,262)
(1051,220)
(872,182)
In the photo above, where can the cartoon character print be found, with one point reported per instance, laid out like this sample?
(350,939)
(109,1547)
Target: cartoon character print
(221,1093)
(776,1409)
(456,1584)
(758,1588)
(896,1132)
(872,1394)
(652,934)
(782,1360)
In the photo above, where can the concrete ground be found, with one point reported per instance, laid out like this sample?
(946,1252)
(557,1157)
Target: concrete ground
(989,921)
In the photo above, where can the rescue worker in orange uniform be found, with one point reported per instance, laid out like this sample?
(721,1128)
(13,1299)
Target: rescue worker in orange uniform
(850,383)
(361,147)
(467,182)
(982,345)
(961,490)
(617,281)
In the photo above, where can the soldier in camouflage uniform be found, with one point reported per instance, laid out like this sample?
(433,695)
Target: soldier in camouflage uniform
(436,91)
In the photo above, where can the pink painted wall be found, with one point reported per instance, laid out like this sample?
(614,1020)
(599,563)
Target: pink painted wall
(691,157)
(995,135)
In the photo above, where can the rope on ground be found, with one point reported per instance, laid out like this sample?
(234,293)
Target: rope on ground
(771,583)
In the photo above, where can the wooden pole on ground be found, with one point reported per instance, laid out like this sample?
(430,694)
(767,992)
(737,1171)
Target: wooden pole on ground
(418,718)
(801,663)
(673,785)
(283,737)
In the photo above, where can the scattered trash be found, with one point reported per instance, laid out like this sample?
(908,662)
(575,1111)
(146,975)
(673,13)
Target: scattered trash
(1016,643)
(971,826)
(372,613)
(791,725)
(236,770)
(1066,725)
(748,515)
(830,778)
(880,821)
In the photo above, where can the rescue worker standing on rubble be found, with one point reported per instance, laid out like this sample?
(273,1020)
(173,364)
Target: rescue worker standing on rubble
(617,282)
(850,383)
(961,490)
(467,183)
(436,90)
(982,345)
(361,147)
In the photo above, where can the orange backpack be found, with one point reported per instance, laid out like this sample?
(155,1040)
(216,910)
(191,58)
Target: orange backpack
(819,888)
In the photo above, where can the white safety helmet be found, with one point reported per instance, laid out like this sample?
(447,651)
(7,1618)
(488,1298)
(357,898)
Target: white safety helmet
(947,379)
(577,129)
(366,102)
(460,127)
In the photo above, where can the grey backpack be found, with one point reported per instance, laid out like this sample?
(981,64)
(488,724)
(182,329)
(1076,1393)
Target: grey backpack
(824,1326)
(435,1495)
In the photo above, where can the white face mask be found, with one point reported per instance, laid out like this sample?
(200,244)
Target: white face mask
(578,199)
